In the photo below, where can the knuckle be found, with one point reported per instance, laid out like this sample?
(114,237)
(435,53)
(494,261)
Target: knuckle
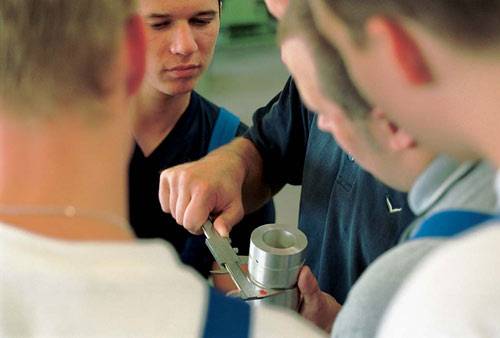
(203,188)
(166,175)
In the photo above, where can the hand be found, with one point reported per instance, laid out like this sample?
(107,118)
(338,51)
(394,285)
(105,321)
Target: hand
(317,306)
(211,186)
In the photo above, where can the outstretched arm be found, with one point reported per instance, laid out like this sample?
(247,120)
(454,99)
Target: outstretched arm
(227,183)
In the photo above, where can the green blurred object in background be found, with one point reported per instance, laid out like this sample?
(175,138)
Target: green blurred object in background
(246,20)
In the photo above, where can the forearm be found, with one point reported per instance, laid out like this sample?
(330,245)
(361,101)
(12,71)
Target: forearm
(255,191)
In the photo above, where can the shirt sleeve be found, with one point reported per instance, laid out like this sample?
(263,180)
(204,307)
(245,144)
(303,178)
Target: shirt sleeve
(280,131)
(454,293)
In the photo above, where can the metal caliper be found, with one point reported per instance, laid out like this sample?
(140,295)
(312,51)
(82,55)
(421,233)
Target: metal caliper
(275,258)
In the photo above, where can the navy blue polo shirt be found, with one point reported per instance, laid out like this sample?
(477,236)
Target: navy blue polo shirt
(343,209)
(188,141)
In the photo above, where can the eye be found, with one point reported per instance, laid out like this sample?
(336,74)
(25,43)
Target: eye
(201,21)
(160,25)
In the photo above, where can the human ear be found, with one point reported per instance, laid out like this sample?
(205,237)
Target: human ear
(402,49)
(136,53)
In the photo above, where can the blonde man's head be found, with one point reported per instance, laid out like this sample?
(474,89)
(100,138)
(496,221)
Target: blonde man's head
(58,50)
(333,77)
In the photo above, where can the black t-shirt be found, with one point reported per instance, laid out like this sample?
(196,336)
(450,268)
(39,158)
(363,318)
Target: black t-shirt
(188,141)
(343,209)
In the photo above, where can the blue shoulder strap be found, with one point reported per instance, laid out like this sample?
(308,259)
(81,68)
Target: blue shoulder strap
(450,223)
(226,317)
(224,130)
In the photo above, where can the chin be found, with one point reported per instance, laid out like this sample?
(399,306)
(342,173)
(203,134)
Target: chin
(180,91)
(177,90)
(180,87)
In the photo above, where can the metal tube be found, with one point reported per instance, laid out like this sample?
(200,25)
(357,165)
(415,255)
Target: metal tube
(276,256)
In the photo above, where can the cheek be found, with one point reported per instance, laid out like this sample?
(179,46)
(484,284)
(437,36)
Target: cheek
(345,138)
(156,46)
(340,135)
(345,142)
(206,41)
(153,60)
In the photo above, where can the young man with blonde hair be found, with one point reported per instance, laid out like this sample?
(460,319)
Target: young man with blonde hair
(70,264)
(434,182)
(434,68)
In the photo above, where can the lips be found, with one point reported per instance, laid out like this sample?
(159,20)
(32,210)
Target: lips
(184,71)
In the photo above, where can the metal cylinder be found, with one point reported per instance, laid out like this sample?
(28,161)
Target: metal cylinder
(276,255)
(288,298)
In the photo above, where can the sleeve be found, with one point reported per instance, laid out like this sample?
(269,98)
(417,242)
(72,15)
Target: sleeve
(280,131)
(453,293)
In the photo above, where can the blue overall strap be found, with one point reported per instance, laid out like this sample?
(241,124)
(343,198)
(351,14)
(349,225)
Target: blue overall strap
(450,223)
(226,317)
(224,130)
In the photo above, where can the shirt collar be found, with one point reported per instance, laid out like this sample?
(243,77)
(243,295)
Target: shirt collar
(435,181)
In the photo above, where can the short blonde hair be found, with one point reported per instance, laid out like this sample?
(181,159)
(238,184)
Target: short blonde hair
(58,49)
(335,82)
(471,24)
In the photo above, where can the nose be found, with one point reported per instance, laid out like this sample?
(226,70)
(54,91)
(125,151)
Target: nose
(184,42)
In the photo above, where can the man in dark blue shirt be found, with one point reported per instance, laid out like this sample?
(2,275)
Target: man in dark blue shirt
(349,217)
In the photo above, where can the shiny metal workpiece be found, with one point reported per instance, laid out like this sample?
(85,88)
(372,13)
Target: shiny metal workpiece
(277,253)
(276,256)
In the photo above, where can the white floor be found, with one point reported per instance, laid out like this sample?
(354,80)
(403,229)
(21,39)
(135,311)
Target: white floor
(242,78)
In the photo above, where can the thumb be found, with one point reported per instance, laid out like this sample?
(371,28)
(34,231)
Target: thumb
(307,283)
(227,219)
(317,306)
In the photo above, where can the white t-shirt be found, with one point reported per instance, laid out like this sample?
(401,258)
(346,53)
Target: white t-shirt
(454,293)
(497,188)
(53,288)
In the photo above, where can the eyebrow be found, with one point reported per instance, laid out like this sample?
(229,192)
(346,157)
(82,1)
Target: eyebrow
(168,16)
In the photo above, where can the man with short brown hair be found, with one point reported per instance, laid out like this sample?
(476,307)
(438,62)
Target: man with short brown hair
(70,263)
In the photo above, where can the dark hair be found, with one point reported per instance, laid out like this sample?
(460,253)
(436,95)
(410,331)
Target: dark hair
(473,23)
(334,79)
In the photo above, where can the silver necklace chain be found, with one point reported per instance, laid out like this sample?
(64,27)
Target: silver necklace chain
(68,211)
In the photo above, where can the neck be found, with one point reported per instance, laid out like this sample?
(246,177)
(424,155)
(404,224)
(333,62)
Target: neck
(63,163)
(417,161)
(485,123)
(473,103)
(155,116)
(484,111)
